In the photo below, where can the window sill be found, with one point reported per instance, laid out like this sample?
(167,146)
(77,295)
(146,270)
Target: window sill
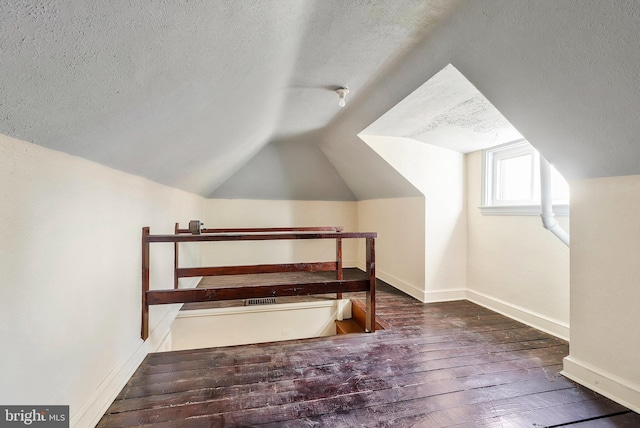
(525,210)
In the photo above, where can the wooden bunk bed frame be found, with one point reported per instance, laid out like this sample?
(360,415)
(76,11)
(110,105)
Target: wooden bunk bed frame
(338,285)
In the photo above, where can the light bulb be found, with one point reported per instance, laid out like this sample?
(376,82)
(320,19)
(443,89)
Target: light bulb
(342,94)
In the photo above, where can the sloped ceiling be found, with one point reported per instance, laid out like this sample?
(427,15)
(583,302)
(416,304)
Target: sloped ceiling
(289,169)
(564,74)
(188,93)
(446,111)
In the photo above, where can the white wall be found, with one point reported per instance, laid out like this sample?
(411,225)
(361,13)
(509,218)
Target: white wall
(70,275)
(605,287)
(70,260)
(400,246)
(270,213)
(515,266)
(440,175)
(206,328)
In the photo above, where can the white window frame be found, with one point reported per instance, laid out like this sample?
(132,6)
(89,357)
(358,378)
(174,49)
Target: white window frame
(491,205)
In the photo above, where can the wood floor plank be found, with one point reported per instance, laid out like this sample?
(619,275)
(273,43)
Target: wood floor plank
(310,356)
(625,420)
(568,413)
(293,366)
(445,411)
(372,378)
(438,365)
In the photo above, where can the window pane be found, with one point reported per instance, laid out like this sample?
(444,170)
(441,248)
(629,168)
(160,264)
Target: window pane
(515,178)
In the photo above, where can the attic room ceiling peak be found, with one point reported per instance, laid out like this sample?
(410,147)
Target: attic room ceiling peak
(186,93)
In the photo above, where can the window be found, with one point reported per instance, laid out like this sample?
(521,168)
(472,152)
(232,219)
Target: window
(511,181)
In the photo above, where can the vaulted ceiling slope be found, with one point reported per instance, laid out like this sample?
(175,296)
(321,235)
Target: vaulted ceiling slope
(187,92)
(288,169)
(194,94)
(566,74)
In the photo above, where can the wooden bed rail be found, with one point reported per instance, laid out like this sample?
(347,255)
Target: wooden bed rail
(338,285)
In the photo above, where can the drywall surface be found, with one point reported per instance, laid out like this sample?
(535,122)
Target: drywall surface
(186,93)
(366,173)
(70,275)
(205,328)
(446,111)
(293,169)
(440,175)
(515,266)
(605,243)
(563,73)
(169,91)
(400,247)
(268,213)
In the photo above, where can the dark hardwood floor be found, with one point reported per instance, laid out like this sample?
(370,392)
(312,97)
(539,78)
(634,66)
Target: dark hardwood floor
(451,364)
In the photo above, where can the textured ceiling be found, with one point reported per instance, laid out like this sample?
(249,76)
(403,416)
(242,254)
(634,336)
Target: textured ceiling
(187,92)
(447,111)
(564,74)
(179,92)
(194,94)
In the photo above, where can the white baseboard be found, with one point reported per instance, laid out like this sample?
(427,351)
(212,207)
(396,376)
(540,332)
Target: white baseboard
(526,316)
(523,315)
(401,285)
(396,282)
(445,295)
(611,386)
(417,293)
(89,414)
(350,264)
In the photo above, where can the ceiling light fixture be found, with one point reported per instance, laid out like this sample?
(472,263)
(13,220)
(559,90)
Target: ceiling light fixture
(342,93)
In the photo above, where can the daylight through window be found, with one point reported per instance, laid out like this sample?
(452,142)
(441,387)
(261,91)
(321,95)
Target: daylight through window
(511,181)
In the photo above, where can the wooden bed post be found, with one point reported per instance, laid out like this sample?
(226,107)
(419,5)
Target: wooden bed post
(339,275)
(175,259)
(144,331)
(371,294)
